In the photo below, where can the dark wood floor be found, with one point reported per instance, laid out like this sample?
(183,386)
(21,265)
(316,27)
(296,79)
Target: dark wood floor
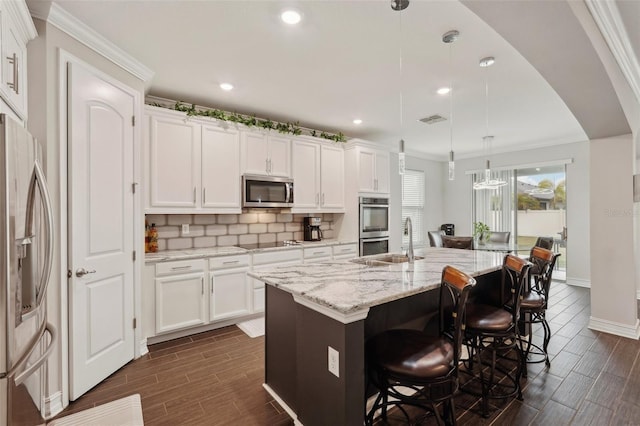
(216,378)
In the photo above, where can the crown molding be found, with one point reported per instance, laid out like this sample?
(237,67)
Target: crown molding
(64,21)
(607,17)
(22,19)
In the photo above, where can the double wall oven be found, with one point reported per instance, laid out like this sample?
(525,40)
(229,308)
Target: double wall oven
(374,225)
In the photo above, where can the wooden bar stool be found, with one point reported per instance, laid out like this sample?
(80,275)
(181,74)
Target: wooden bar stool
(491,337)
(426,365)
(534,305)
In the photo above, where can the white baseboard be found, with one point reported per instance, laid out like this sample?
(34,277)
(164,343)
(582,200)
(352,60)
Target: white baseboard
(52,405)
(143,347)
(283,404)
(619,329)
(579,282)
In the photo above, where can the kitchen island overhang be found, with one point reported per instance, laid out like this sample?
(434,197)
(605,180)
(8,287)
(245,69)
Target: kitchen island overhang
(339,304)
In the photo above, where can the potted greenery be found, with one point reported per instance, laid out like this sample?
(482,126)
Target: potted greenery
(481,232)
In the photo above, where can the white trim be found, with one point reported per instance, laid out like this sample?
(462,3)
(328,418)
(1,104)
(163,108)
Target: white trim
(143,349)
(64,21)
(331,313)
(609,22)
(283,404)
(578,282)
(65,58)
(52,405)
(638,294)
(22,19)
(560,162)
(612,327)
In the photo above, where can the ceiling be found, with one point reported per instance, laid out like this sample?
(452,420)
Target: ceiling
(340,63)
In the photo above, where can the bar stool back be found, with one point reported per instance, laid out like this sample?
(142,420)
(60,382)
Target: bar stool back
(427,365)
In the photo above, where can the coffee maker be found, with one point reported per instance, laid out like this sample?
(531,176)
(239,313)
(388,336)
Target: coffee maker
(312,230)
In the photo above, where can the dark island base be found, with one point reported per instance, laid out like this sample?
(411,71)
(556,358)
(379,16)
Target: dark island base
(296,352)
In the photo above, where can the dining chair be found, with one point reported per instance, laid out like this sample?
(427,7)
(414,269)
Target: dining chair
(499,237)
(435,238)
(465,243)
(406,359)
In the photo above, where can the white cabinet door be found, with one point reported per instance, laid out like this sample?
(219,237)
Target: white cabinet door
(231,293)
(332,177)
(382,172)
(279,156)
(180,302)
(366,170)
(306,175)
(255,154)
(174,162)
(220,164)
(373,171)
(14,76)
(265,155)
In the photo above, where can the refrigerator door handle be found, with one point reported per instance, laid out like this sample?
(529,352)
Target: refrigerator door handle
(19,378)
(40,181)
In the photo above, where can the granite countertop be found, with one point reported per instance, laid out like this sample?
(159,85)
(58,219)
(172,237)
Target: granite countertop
(196,253)
(345,288)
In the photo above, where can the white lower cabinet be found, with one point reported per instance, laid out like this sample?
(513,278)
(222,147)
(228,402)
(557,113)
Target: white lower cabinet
(345,251)
(230,290)
(180,295)
(267,260)
(317,254)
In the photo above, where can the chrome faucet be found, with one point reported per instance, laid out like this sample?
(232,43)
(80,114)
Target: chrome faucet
(408,229)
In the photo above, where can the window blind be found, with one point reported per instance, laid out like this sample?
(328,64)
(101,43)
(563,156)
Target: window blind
(413,188)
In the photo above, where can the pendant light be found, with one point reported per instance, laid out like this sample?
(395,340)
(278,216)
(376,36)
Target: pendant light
(400,5)
(449,37)
(487,182)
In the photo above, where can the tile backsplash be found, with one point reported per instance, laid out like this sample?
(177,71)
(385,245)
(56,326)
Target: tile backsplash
(211,230)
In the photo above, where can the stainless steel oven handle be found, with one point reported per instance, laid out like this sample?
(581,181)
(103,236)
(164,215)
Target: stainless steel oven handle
(19,378)
(39,180)
(373,240)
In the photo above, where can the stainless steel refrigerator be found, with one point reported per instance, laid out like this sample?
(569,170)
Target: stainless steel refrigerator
(26,235)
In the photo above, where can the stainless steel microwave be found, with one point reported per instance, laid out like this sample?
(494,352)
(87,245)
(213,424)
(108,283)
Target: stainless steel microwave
(267,191)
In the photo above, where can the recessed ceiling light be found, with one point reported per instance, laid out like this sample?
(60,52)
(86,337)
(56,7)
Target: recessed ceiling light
(291,17)
(357,121)
(537,169)
(226,86)
(443,90)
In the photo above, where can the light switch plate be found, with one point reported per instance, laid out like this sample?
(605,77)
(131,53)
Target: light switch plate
(334,362)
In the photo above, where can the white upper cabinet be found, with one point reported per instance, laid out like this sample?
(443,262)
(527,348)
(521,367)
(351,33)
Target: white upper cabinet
(193,166)
(220,168)
(17,29)
(373,170)
(306,175)
(174,163)
(263,154)
(332,177)
(318,177)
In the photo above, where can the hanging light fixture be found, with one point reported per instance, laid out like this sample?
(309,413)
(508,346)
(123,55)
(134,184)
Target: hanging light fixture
(400,5)
(487,182)
(449,37)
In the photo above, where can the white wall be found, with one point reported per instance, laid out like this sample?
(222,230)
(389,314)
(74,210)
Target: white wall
(613,304)
(434,174)
(458,196)
(44,120)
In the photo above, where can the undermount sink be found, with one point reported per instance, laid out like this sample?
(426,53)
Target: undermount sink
(384,259)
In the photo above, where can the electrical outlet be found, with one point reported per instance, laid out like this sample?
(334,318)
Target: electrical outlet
(334,362)
(185,229)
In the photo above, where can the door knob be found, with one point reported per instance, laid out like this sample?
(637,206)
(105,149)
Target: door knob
(82,272)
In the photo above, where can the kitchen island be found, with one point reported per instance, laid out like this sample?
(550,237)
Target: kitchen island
(318,317)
